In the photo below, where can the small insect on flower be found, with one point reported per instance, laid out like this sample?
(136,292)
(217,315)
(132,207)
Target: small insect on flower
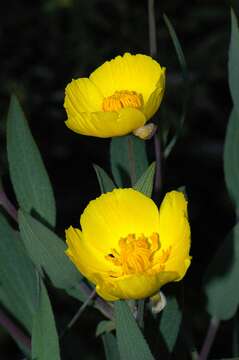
(128,247)
(119,97)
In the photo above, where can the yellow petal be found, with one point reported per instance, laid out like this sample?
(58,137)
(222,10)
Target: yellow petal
(155,98)
(87,259)
(117,214)
(135,286)
(174,231)
(82,95)
(106,124)
(138,73)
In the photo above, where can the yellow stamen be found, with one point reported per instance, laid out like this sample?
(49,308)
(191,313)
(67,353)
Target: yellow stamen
(122,99)
(136,254)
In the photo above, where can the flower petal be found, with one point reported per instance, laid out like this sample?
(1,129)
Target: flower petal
(155,98)
(134,286)
(138,73)
(107,124)
(117,214)
(174,231)
(82,95)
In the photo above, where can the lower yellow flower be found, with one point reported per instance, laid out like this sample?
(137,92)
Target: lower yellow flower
(119,97)
(127,247)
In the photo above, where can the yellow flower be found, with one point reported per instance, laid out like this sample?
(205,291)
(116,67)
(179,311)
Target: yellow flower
(119,96)
(127,247)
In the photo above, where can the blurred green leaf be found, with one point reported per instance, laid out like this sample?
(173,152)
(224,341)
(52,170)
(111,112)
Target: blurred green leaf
(222,278)
(105,326)
(231,157)
(47,252)
(128,159)
(105,182)
(146,181)
(233,62)
(28,174)
(170,322)
(111,347)
(18,280)
(184,69)
(132,345)
(45,343)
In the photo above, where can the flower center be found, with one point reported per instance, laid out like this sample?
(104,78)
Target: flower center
(136,254)
(122,99)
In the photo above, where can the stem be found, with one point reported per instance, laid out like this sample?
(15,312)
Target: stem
(210,337)
(140,313)
(131,160)
(7,205)
(158,170)
(14,330)
(152,29)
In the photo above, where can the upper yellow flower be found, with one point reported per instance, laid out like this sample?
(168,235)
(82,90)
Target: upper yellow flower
(119,97)
(127,247)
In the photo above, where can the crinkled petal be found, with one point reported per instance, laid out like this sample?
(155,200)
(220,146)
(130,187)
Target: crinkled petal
(88,260)
(107,124)
(138,73)
(82,95)
(116,214)
(137,286)
(174,231)
(154,101)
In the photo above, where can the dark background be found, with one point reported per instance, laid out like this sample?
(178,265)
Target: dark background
(44,44)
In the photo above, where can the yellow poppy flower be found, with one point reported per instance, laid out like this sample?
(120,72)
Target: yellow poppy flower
(127,247)
(119,97)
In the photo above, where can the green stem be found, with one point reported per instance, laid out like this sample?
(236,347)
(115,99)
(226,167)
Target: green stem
(140,313)
(209,339)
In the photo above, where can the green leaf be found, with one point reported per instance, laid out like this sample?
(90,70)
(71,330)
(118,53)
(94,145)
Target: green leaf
(132,345)
(146,181)
(233,62)
(128,159)
(28,174)
(45,343)
(111,347)
(105,326)
(47,251)
(184,69)
(170,322)
(18,279)
(222,277)
(105,182)
(231,157)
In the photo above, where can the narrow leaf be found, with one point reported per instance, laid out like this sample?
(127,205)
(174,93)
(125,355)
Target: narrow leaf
(170,322)
(111,347)
(221,277)
(233,62)
(146,181)
(128,159)
(28,174)
(47,251)
(231,157)
(132,345)
(18,280)
(105,326)
(105,182)
(45,344)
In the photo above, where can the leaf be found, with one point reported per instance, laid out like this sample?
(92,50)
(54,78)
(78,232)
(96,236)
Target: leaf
(231,157)
(128,159)
(222,277)
(184,69)
(233,62)
(47,251)
(111,347)
(45,343)
(105,182)
(170,322)
(132,345)
(18,280)
(146,181)
(105,326)
(28,174)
